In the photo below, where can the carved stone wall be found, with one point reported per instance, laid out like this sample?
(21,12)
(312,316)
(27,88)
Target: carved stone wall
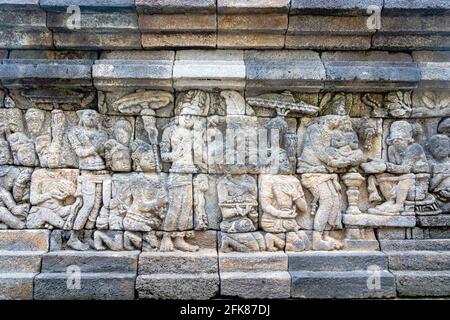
(206,173)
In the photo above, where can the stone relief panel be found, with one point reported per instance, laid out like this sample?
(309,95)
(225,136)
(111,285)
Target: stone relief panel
(155,171)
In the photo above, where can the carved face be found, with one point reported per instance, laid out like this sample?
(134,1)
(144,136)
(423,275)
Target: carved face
(186,121)
(34,119)
(89,118)
(123,132)
(146,162)
(439,147)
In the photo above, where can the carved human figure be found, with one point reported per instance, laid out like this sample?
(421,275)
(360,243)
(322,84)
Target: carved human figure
(329,144)
(177,147)
(439,148)
(88,140)
(201,186)
(149,196)
(237,196)
(14,194)
(35,122)
(22,149)
(117,151)
(52,197)
(405,157)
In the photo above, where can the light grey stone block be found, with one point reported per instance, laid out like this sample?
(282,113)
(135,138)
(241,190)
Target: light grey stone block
(336,261)
(341,285)
(204,261)
(354,6)
(419,260)
(91,261)
(253,262)
(195,286)
(416,4)
(93,286)
(422,283)
(255,6)
(152,70)
(209,69)
(24,240)
(370,220)
(89,5)
(176,6)
(408,245)
(255,285)
(16,286)
(283,70)
(20,261)
(442,220)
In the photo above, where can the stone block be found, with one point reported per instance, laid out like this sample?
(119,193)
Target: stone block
(19,4)
(254,6)
(419,260)
(283,70)
(95,41)
(178,40)
(253,262)
(413,5)
(91,261)
(178,22)
(410,42)
(195,286)
(176,6)
(335,7)
(409,245)
(370,220)
(204,261)
(52,55)
(247,40)
(327,42)
(20,261)
(95,22)
(16,286)
(332,25)
(90,5)
(361,245)
(441,220)
(25,39)
(93,286)
(148,69)
(255,285)
(24,240)
(336,261)
(209,69)
(342,285)
(422,283)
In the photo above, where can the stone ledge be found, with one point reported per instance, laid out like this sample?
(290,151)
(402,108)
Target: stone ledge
(20,261)
(422,283)
(419,260)
(24,240)
(16,286)
(341,285)
(409,245)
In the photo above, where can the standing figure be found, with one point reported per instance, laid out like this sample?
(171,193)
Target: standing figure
(87,140)
(35,122)
(177,147)
(439,148)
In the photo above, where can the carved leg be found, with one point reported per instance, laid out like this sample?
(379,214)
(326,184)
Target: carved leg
(132,240)
(166,243)
(181,244)
(75,243)
(10,220)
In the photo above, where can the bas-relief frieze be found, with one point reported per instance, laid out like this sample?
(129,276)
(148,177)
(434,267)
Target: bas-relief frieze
(155,171)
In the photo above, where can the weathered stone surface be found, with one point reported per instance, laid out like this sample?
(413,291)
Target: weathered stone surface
(16,286)
(409,245)
(254,262)
(341,285)
(255,6)
(367,220)
(178,40)
(24,240)
(283,70)
(95,41)
(175,6)
(197,286)
(209,69)
(20,261)
(422,283)
(93,286)
(434,221)
(419,260)
(255,285)
(358,6)
(152,70)
(90,262)
(336,261)
(416,42)
(89,5)
(204,261)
